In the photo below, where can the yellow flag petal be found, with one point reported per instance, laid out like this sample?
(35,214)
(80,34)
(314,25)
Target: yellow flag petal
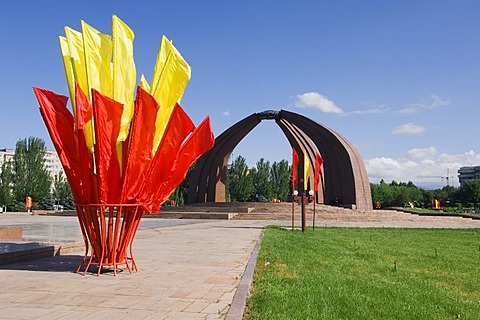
(144,83)
(98,56)
(77,58)
(124,72)
(67,64)
(306,170)
(170,77)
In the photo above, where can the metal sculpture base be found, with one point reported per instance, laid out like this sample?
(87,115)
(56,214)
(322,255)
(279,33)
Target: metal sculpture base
(108,232)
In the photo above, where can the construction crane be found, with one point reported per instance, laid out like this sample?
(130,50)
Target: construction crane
(447,177)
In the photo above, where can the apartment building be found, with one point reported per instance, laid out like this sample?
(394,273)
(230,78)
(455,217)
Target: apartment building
(52,162)
(6,155)
(468,173)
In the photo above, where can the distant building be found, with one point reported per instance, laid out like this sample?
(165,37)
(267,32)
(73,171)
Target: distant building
(468,173)
(52,162)
(6,155)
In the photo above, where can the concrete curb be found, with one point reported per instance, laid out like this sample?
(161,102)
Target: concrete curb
(237,309)
(42,251)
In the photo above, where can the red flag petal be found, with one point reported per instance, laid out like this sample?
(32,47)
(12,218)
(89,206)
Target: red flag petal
(178,128)
(84,109)
(199,142)
(108,115)
(60,125)
(142,134)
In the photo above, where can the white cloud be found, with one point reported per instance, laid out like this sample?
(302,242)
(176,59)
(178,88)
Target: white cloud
(422,154)
(424,167)
(408,110)
(438,102)
(225,113)
(408,128)
(317,101)
(389,169)
(371,111)
(429,103)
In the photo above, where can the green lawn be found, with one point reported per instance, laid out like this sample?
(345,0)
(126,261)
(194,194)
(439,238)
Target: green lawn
(350,273)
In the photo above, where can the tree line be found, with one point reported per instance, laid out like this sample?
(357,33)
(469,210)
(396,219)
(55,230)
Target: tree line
(266,181)
(263,182)
(26,175)
(396,194)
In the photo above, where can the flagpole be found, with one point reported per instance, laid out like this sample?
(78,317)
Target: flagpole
(294,198)
(314,200)
(293,213)
(294,183)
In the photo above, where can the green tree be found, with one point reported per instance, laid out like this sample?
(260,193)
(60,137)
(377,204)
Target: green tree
(376,196)
(406,193)
(428,196)
(30,175)
(396,194)
(6,184)
(62,192)
(46,203)
(385,194)
(180,194)
(239,180)
(262,180)
(448,195)
(280,179)
(470,193)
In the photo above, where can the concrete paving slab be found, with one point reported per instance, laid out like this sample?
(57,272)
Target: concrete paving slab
(188,269)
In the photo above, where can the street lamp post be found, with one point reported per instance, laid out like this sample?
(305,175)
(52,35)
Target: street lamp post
(303,199)
(295,194)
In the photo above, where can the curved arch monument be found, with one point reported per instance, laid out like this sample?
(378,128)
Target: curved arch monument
(344,179)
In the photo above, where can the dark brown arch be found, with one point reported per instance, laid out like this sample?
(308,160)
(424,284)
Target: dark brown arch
(305,148)
(344,177)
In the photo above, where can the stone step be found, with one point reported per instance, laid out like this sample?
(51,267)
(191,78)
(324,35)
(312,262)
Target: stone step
(192,215)
(246,207)
(194,208)
(283,211)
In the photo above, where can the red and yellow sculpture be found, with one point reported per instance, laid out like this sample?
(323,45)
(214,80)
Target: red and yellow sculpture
(123,152)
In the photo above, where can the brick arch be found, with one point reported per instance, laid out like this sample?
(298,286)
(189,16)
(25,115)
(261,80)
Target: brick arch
(344,177)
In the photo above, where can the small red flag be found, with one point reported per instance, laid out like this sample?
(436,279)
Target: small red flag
(318,164)
(294,168)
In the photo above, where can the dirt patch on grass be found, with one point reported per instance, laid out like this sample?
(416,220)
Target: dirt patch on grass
(282,271)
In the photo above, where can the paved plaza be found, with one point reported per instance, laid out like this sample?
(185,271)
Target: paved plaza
(188,269)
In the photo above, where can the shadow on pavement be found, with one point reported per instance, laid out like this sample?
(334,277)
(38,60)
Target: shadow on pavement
(63,263)
(60,263)
(10,247)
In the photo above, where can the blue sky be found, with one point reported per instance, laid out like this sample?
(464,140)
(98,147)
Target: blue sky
(399,79)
